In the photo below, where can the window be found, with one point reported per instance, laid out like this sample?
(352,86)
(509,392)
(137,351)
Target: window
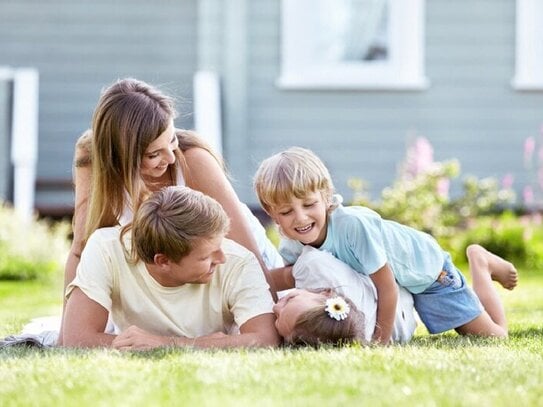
(529,45)
(352,44)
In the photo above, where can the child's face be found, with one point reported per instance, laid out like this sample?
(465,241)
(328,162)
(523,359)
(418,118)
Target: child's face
(303,219)
(290,307)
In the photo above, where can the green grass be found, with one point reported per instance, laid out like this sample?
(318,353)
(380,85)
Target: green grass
(439,370)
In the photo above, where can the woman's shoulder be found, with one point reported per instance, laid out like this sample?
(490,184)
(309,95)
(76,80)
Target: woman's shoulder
(196,150)
(83,149)
(189,139)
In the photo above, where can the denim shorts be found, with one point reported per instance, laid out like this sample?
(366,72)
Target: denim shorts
(448,303)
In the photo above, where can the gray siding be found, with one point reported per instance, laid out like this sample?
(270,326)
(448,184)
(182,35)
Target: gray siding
(469,112)
(79,47)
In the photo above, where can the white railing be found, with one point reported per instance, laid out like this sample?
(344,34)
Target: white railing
(24,136)
(207,108)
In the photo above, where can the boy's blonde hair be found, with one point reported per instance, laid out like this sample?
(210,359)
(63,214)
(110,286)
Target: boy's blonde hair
(295,172)
(171,220)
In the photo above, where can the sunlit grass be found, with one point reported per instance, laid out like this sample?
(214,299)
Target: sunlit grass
(439,370)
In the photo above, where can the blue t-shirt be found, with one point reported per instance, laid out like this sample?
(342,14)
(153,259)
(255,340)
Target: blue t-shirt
(359,237)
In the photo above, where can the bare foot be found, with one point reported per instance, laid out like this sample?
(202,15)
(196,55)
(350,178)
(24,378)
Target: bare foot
(500,270)
(503,271)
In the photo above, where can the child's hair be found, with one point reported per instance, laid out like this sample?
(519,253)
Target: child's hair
(317,327)
(293,172)
(171,220)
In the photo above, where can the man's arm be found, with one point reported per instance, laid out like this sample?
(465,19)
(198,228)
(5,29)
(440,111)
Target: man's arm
(257,332)
(387,299)
(84,322)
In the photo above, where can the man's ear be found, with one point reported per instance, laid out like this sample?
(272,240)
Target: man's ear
(161,260)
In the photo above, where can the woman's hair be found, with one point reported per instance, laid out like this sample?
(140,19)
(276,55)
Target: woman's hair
(130,115)
(171,220)
(295,172)
(316,327)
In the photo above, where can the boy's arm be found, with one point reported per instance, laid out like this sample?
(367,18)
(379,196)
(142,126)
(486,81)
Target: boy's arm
(282,278)
(387,299)
(256,332)
(84,322)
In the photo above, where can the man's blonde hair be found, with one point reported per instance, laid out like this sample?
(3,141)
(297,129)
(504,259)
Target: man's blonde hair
(171,220)
(295,172)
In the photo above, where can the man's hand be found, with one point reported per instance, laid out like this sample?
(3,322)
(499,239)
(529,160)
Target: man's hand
(135,338)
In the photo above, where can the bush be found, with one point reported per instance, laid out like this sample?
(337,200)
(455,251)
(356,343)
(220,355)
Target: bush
(517,239)
(419,198)
(31,249)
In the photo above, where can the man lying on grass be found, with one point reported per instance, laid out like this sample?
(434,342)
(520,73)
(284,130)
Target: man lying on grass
(169,279)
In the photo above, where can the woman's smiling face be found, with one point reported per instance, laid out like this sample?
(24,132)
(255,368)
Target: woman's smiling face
(160,154)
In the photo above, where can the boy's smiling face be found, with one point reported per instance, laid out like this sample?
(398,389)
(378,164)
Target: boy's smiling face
(303,219)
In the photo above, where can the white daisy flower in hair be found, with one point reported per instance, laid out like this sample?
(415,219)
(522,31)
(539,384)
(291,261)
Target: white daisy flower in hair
(337,308)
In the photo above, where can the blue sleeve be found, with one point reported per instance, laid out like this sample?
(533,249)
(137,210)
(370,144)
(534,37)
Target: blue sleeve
(365,242)
(290,250)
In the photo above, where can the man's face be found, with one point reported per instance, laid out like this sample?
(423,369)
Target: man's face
(199,265)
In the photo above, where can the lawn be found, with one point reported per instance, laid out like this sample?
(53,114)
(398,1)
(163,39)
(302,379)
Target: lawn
(440,370)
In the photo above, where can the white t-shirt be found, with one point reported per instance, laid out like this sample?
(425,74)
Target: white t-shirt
(315,269)
(236,293)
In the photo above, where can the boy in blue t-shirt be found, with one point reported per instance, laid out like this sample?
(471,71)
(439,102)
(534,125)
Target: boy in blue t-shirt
(295,188)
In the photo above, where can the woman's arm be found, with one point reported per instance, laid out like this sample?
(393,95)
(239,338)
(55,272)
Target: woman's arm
(82,184)
(82,177)
(82,180)
(206,175)
(387,299)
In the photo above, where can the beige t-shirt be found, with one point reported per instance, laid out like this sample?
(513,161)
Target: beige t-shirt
(236,293)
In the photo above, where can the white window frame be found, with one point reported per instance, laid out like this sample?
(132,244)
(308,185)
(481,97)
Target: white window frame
(404,70)
(529,45)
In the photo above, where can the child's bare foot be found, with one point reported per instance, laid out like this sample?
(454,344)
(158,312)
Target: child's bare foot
(503,272)
(500,270)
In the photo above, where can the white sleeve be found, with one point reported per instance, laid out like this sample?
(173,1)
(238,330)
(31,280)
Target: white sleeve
(94,274)
(246,289)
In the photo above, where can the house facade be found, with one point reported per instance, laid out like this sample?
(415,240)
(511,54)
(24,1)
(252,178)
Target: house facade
(462,74)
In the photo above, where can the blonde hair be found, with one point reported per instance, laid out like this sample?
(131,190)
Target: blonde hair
(295,172)
(171,220)
(315,327)
(130,115)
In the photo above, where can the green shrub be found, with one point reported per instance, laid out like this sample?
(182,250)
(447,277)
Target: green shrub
(418,202)
(517,239)
(32,249)
(419,198)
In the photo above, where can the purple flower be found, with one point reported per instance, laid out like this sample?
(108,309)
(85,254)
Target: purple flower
(420,157)
(443,188)
(528,195)
(529,148)
(507,181)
